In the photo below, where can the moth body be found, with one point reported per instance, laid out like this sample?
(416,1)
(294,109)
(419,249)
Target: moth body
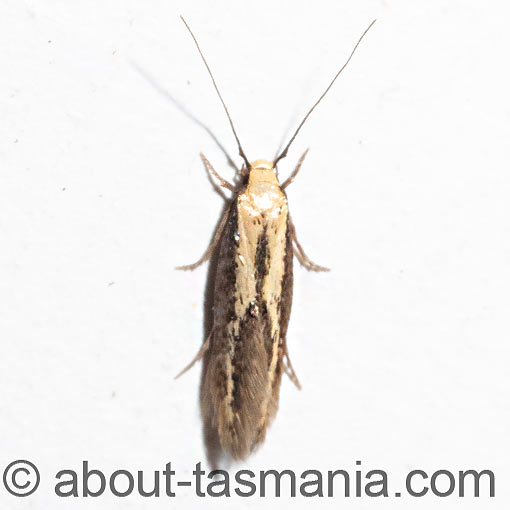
(252,300)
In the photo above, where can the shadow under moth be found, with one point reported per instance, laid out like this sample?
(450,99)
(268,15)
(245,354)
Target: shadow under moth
(245,352)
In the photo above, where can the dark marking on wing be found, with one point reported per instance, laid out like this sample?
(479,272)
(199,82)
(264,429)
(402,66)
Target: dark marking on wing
(261,262)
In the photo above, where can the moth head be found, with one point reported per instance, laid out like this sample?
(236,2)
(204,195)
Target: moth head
(262,171)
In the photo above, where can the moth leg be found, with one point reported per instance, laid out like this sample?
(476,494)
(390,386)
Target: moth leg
(212,245)
(296,170)
(214,173)
(198,357)
(289,370)
(300,253)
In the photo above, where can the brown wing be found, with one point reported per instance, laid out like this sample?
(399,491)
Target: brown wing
(243,366)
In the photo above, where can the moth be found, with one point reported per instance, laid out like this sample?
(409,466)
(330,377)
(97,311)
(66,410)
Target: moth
(245,352)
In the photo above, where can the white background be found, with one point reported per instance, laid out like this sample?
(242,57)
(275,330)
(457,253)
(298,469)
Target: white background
(402,350)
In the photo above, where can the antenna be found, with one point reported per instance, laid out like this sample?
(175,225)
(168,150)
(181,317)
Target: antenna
(284,152)
(241,152)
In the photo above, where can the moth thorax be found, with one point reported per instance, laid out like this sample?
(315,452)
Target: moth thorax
(262,171)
